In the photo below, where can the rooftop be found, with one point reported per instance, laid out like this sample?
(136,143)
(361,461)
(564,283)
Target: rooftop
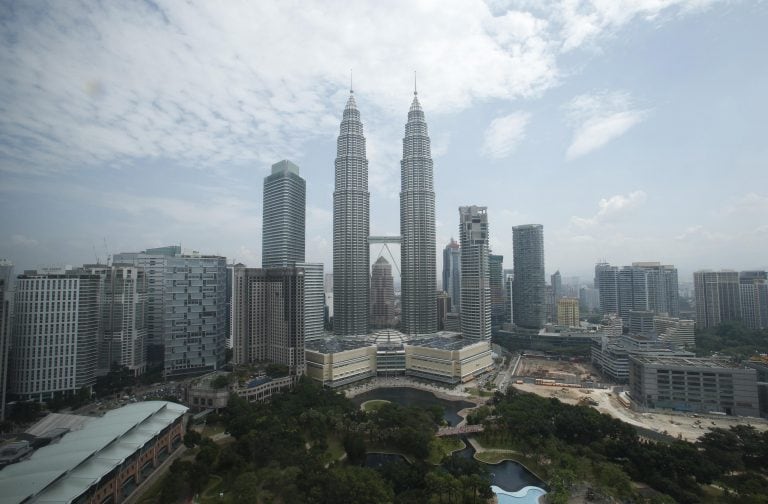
(699,362)
(335,345)
(63,471)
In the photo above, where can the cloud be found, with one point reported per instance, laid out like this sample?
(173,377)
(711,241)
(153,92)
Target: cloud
(23,241)
(610,208)
(701,233)
(599,118)
(504,134)
(748,204)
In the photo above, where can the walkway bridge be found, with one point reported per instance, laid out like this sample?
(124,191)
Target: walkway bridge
(457,431)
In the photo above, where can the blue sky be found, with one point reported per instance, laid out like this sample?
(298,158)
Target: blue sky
(632,130)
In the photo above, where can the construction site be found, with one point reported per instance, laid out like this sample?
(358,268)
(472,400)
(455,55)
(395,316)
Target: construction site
(576,382)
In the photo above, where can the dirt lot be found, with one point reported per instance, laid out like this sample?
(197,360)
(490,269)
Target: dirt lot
(685,426)
(565,371)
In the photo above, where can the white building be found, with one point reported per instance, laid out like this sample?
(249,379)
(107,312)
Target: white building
(55,334)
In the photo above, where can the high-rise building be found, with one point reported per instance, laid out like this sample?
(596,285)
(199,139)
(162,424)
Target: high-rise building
(496,281)
(123,300)
(753,293)
(556,280)
(351,227)
(153,261)
(6,294)
(661,286)
(717,297)
(443,308)
(475,278)
(452,274)
(382,294)
(417,228)
(529,285)
(195,304)
(607,284)
(509,276)
(186,308)
(55,334)
(550,305)
(589,298)
(284,217)
(568,312)
(314,300)
(268,317)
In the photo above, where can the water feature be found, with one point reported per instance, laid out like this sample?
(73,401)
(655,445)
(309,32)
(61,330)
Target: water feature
(405,396)
(376,460)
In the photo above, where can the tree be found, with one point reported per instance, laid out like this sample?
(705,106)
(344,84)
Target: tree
(246,489)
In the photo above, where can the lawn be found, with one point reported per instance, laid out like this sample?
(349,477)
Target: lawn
(373,404)
(440,447)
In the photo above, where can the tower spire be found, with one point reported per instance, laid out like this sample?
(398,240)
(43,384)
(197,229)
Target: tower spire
(415,92)
(351,89)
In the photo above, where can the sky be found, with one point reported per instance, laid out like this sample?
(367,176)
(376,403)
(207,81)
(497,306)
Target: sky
(632,130)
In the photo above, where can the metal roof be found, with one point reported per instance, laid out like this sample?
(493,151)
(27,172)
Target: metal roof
(61,472)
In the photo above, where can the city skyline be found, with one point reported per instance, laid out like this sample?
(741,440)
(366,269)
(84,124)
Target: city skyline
(590,106)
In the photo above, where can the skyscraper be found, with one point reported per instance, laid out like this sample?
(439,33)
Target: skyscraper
(314,300)
(475,279)
(6,291)
(382,294)
(452,274)
(529,285)
(351,227)
(284,217)
(417,228)
(717,297)
(496,281)
(557,285)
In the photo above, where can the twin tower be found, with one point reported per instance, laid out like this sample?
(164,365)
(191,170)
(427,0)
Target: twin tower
(351,228)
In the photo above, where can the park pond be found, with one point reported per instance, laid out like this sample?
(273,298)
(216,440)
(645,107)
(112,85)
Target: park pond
(405,396)
(512,482)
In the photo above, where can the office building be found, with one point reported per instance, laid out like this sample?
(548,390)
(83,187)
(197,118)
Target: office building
(351,227)
(633,291)
(268,317)
(529,287)
(612,354)
(568,312)
(55,334)
(452,274)
(550,306)
(675,331)
(284,217)
(589,298)
(186,308)
(153,262)
(418,313)
(443,308)
(641,322)
(475,275)
(382,294)
(6,295)
(496,281)
(753,294)
(314,300)
(122,339)
(556,280)
(690,384)
(607,284)
(509,277)
(717,297)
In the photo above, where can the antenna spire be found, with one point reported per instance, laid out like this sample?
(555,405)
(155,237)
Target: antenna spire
(351,89)
(414,84)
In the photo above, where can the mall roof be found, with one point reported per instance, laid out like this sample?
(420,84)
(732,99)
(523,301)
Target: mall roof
(61,472)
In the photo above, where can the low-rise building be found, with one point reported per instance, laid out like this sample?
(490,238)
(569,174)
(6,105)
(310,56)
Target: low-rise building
(103,462)
(676,331)
(612,355)
(337,361)
(448,358)
(701,385)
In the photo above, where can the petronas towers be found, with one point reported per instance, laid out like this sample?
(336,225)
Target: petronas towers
(351,228)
